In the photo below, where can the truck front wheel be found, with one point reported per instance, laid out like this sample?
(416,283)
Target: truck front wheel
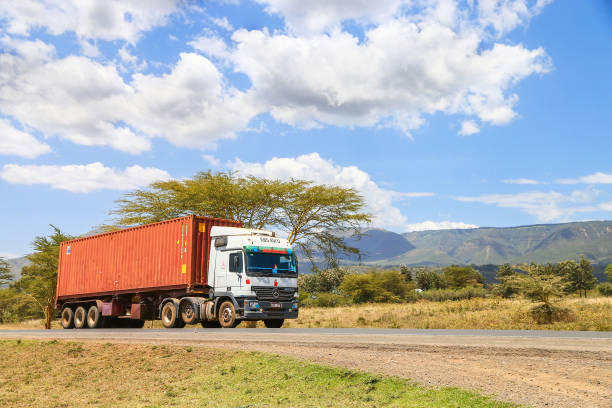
(274,323)
(227,315)
(67,318)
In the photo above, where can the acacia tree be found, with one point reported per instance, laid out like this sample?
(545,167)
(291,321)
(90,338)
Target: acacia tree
(5,273)
(314,217)
(504,274)
(457,277)
(578,275)
(609,272)
(39,279)
(541,286)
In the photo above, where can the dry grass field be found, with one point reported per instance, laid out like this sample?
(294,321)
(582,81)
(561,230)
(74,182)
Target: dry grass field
(594,313)
(481,313)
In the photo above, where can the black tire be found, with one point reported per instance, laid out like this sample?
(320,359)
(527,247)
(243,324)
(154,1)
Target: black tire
(274,323)
(170,318)
(227,314)
(94,319)
(80,318)
(189,313)
(67,318)
(210,325)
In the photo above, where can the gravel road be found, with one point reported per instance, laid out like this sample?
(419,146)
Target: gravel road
(534,368)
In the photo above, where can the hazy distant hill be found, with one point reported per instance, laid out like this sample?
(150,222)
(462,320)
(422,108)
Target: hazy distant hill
(480,246)
(16,264)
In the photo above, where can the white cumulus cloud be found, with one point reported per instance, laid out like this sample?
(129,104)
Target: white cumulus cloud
(82,178)
(469,127)
(595,178)
(438,225)
(522,181)
(89,103)
(403,69)
(545,206)
(379,201)
(16,142)
(106,20)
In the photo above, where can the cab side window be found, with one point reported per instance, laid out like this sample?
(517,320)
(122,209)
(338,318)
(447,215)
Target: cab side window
(235,262)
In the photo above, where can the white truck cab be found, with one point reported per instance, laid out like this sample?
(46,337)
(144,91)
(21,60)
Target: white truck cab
(257,271)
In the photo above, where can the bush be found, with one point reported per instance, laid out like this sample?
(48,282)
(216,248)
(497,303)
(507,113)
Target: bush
(322,281)
(377,287)
(461,276)
(605,289)
(323,300)
(546,314)
(440,295)
(427,279)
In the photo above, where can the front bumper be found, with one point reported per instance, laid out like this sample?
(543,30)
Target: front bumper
(261,309)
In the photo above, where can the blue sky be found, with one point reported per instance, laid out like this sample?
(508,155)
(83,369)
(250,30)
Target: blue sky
(442,114)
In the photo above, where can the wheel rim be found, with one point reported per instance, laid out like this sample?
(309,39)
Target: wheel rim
(189,312)
(66,318)
(91,318)
(79,318)
(168,315)
(227,314)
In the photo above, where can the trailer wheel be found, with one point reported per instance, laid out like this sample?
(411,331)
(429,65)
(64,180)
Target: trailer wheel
(67,318)
(94,320)
(80,318)
(170,318)
(188,312)
(274,323)
(227,314)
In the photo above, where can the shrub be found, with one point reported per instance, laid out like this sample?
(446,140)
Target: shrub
(323,299)
(457,277)
(440,295)
(377,287)
(605,289)
(547,313)
(427,279)
(326,280)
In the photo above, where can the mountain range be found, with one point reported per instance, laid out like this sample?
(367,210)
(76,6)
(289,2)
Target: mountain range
(479,246)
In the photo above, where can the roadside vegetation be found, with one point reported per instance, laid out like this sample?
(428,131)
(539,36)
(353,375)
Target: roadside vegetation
(316,218)
(54,374)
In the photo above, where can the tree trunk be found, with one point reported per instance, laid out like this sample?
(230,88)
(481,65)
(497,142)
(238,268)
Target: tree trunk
(48,314)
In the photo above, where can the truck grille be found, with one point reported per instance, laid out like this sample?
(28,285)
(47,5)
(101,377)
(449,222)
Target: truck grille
(267,293)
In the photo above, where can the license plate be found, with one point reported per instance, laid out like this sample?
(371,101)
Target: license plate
(276,305)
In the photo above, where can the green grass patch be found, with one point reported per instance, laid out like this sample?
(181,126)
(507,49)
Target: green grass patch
(67,374)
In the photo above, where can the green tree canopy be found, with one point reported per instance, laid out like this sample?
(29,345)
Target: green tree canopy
(578,275)
(314,217)
(5,273)
(39,279)
(504,274)
(457,277)
(406,272)
(609,272)
(376,286)
(427,279)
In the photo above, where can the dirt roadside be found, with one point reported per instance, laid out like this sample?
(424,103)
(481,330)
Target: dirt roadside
(564,376)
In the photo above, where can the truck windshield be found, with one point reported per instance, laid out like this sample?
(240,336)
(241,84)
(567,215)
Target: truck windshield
(266,264)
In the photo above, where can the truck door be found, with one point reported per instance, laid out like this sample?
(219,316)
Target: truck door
(235,273)
(221,271)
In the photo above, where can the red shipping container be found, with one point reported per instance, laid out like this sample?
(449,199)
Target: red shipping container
(166,255)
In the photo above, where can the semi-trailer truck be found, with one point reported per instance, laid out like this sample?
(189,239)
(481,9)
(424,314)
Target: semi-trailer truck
(182,271)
